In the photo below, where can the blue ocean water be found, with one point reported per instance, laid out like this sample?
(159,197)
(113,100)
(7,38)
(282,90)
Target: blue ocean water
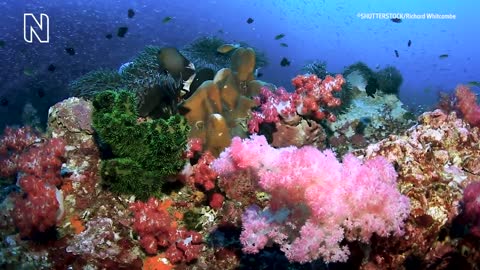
(338,32)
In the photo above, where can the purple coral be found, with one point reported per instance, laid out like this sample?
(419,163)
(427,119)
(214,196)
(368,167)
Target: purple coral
(316,201)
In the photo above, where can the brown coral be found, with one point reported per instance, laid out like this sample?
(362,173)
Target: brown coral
(217,110)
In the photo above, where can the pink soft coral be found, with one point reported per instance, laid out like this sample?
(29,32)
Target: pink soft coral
(316,201)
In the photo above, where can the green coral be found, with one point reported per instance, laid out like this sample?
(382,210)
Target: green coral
(94,82)
(146,153)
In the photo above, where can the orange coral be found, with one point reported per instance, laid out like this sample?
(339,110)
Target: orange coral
(156,263)
(77,224)
(218,108)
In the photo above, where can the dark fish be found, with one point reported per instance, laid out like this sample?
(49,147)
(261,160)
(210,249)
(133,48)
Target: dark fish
(167,19)
(202,75)
(109,36)
(396,53)
(474,83)
(4,102)
(409,43)
(396,20)
(70,50)
(2,43)
(40,92)
(122,31)
(131,13)
(249,20)
(259,75)
(279,36)
(51,68)
(372,86)
(284,62)
(284,44)
(443,56)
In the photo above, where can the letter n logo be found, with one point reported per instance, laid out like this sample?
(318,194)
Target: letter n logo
(38,28)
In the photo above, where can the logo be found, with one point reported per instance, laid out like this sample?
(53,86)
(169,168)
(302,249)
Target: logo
(38,28)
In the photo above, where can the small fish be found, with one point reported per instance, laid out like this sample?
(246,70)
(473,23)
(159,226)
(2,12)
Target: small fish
(279,36)
(396,53)
(474,83)
(51,68)
(257,73)
(226,48)
(249,20)
(109,36)
(377,66)
(284,44)
(70,50)
(396,20)
(220,31)
(4,102)
(409,43)
(28,72)
(285,62)
(372,86)
(2,43)
(131,13)
(40,92)
(122,68)
(167,19)
(122,31)
(443,56)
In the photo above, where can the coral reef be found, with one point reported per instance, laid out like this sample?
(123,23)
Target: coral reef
(435,160)
(146,152)
(368,120)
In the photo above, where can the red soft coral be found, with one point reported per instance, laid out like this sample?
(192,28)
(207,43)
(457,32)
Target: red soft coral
(471,207)
(12,145)
(39,169)
(312,97)
(156,229)
(467,103)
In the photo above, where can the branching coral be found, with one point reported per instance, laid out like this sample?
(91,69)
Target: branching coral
(146,152)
